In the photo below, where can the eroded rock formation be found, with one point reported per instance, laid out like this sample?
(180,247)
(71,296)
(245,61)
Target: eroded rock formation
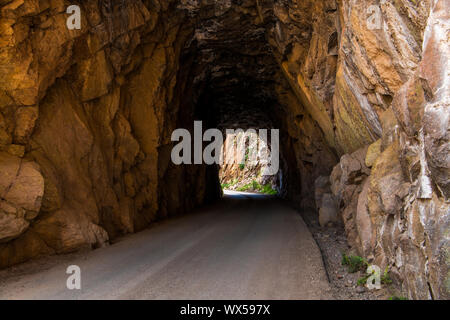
(86,118)
(90,112)
(397,214)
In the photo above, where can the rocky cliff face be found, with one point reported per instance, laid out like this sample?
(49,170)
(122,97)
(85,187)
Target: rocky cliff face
(86,118)
(394,193)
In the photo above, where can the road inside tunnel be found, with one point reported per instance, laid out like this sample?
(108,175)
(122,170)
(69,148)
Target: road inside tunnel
(247,246)
(106,128)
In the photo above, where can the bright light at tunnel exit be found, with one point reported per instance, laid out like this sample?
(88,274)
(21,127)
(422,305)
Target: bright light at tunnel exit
(233,151)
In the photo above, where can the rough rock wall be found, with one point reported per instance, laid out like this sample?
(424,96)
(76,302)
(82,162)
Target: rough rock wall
(409,185)
(85,123)
(392,84)
(380,98)
(86,117)
(345,73)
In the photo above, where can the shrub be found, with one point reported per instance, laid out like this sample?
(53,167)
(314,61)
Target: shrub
(354,263)
(225,185)
(397,298)
(267,189)
(362,281)
(245,188)
(385,278)
(255,186)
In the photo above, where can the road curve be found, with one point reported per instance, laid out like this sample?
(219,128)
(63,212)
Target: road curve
(246,247)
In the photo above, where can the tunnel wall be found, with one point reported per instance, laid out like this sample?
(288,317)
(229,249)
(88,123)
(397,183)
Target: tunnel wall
(86,121)
(86,118)
(380,98)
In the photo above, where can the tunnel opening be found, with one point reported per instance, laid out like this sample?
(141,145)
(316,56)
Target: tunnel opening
(236,83)
(252,172)
(111,172)
(240,107)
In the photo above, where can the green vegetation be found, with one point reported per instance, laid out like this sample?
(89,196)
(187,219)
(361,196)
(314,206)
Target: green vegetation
(242,165)
(245,188)
(255,186)
(230,184)
(267,189)
(362,281)
(385,278)
(397,298)
(354,263)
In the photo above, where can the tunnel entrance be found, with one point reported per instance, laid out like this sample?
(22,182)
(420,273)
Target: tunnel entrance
(251,153)
(104,159)
(242,105)
(236,84)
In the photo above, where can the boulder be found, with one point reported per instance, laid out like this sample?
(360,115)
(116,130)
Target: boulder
(322,185)
(328,212)
(347,180)
(364,223)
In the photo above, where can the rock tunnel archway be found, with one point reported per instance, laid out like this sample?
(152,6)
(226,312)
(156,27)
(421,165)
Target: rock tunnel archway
(86,118)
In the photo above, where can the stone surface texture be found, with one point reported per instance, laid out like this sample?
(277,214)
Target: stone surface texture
(86,118)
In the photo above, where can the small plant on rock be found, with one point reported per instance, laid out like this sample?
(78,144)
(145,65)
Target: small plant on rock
(385,278)
(267,189)
(245,188)
(363,280)
(354,263)
(397,298)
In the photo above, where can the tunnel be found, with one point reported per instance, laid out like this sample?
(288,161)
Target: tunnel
(237,84)
(87,115)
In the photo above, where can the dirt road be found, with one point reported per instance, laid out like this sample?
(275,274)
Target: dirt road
(246,247)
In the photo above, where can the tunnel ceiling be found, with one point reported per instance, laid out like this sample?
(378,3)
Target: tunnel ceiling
(235,65)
